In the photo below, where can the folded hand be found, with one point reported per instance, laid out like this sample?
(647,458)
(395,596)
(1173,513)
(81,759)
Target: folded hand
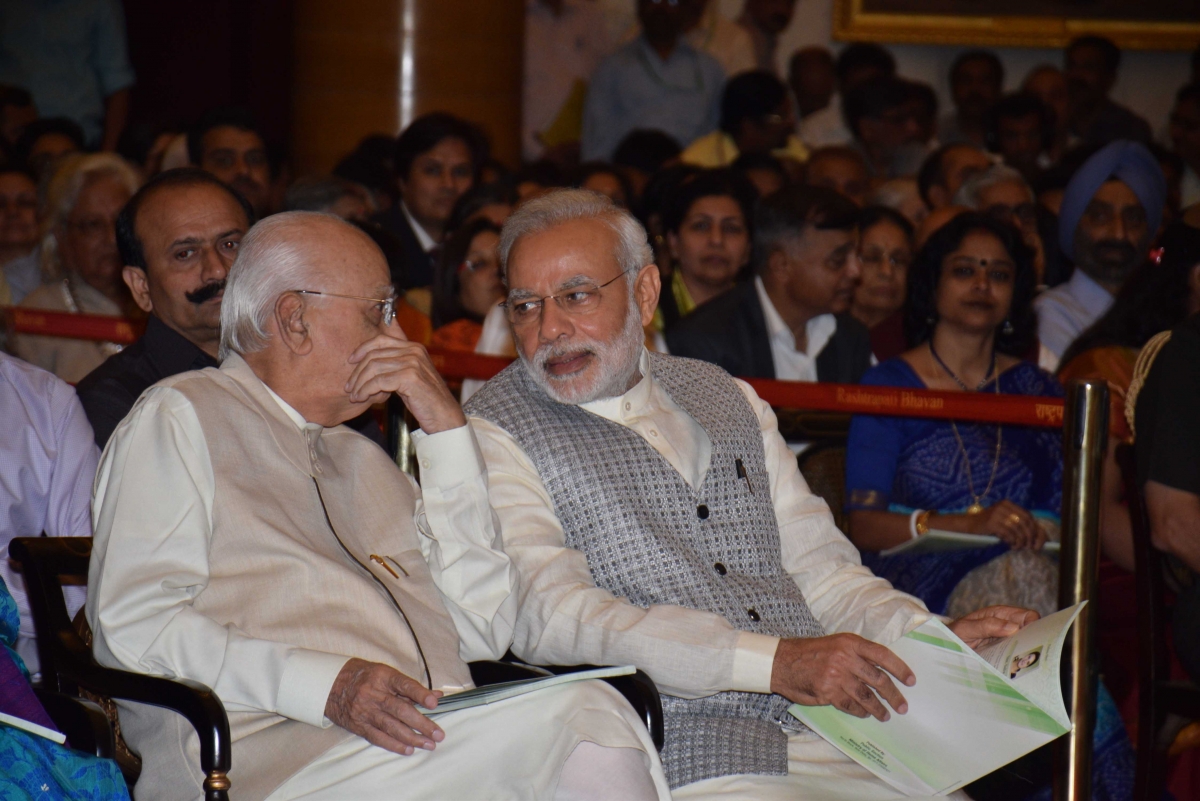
(389,363)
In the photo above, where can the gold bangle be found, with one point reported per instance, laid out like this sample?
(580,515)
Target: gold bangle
(922,525)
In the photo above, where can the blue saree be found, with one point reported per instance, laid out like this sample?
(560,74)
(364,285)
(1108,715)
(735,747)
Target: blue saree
(899,464)
(32,767)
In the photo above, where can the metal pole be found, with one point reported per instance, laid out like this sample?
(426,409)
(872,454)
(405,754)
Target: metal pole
(1085,445)
(399,436)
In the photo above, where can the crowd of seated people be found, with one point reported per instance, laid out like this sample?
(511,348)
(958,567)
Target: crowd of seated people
(828,228)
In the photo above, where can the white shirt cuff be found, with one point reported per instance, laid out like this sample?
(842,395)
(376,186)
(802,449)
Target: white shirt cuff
(448,458)
(308,677)
(753,662)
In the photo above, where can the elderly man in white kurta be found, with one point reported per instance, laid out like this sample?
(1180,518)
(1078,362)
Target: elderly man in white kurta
(246,540)
(658,518)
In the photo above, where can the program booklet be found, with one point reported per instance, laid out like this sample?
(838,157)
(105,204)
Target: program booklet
(939,541)
(969,713)
(492,693)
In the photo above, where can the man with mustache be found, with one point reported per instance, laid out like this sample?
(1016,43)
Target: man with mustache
(1090,67)
(792,321)
(658,518)
(1110,214)
(226,142)
(178,237)
(976,81)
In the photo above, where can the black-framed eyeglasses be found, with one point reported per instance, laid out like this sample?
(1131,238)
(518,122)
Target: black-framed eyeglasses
(582,299)
(387,306)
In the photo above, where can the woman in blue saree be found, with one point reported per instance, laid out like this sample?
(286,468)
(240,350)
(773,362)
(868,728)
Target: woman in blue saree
(968,318)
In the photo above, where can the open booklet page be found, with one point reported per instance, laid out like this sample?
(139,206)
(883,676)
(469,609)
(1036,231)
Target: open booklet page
(967,715)
(492,693)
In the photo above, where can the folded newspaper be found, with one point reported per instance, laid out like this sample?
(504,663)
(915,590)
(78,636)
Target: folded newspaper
(492,693)
(969,713)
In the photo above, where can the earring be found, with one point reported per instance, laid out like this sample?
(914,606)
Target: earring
(1007,329)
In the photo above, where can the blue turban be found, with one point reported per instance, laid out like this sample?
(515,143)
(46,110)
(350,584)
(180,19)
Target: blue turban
(1128,162)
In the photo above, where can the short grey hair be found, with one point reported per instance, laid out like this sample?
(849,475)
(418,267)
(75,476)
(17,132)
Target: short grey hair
(568,205)
(268,264)
(968,194)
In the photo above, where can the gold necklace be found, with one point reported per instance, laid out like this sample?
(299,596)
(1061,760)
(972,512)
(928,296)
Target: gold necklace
(977,506)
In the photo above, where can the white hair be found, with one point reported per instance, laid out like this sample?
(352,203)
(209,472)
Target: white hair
(568,205)
(60,193)
(968,194)
(896,192)
(269,263)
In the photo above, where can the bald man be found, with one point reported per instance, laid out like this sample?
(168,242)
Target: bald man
(247,540)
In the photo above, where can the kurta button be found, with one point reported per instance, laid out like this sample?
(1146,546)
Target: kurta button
(753,615)
(702,512)
(720,568)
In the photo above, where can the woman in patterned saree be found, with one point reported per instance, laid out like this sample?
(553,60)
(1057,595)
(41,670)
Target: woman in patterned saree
(968,315)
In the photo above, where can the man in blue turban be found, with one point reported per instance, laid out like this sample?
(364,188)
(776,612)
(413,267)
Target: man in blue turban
(1110,214)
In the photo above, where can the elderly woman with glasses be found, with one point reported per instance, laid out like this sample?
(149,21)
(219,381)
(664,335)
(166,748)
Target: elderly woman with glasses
(1004,194)
(80,260)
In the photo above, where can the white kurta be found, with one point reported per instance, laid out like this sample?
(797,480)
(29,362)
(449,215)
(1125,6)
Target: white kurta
(144,598)
(565,618)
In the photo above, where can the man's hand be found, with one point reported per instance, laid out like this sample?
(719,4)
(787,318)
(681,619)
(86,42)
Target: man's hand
(984,626)
(389,363)
(842,670)
(376,702)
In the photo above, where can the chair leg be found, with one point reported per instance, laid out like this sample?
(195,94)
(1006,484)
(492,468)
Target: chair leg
(216,786)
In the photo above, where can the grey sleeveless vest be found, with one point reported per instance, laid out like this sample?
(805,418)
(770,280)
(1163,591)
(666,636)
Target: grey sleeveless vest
(651,538)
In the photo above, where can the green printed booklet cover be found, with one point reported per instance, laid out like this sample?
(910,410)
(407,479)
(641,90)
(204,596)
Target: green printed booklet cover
(968,714)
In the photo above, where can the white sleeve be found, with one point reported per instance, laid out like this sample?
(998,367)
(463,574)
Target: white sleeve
(842,594)
(566,619)
(460,539)
(152,514)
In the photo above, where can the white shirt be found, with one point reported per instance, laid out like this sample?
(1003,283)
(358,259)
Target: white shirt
(792,364)
(566,619)
(162,500)
(426,241)
(825,127)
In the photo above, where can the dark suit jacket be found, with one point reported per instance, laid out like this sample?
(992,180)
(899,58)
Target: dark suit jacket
(418,265)
(731,331)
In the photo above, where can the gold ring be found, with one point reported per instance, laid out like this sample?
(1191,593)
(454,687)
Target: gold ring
(1015,518)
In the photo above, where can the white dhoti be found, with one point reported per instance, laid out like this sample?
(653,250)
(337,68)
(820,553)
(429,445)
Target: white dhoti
(816,772)
(513,749)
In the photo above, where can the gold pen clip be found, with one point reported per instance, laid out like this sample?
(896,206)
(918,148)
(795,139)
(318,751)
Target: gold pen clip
(386,566)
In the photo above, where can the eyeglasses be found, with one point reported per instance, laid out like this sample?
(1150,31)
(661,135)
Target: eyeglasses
(582,299)
(387,306)
(477,265)
(896,259)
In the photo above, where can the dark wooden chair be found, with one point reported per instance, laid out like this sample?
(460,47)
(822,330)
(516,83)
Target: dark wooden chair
(67,668)
(67,665)
(1164,706)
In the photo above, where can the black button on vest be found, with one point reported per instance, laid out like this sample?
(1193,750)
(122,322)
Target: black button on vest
(753,615)
(720,568)
(702,512)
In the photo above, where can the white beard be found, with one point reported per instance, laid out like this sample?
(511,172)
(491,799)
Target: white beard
(616,363)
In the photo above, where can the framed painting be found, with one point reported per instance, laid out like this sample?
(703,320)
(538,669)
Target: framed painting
(1133,24)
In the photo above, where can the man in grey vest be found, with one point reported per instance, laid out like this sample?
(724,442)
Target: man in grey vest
(658,518)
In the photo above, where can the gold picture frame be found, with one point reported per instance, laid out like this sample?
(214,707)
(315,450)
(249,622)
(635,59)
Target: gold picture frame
(856,21)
